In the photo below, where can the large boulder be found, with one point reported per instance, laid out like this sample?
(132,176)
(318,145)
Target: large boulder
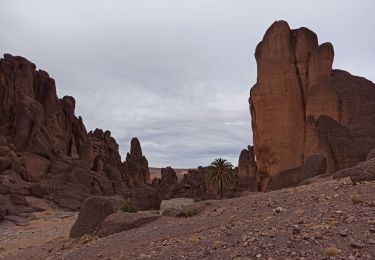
(93,212)
(364,171)
(122,221)
(300,106)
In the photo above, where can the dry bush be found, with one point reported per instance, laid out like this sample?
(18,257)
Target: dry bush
(331,251)
(356,199)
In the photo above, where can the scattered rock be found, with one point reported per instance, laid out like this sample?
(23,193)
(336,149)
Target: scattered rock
(356,244)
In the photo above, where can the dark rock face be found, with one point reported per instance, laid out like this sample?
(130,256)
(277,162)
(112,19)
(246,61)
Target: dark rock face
(192,185)
(167,182)
(168,176)
(46,151)
(300,106)
(247,170)
(90,218)
(314,165)
(371,154)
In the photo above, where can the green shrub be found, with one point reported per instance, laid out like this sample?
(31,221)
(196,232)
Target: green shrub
(207,203)
(189,212)
(129,208)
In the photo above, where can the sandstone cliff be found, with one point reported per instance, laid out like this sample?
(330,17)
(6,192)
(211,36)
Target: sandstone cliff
(300,106)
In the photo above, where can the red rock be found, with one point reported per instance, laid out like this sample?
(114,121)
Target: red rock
(247,170)
(192,185)
(168,176)
(300,106)
(136,163)
(43,144)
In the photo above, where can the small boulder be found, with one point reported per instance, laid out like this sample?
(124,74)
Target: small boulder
(122,221)
(185,211)
(93,212)
(178,203)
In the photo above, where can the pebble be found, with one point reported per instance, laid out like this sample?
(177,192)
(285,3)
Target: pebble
(343,232)
(356,244)
(278,210)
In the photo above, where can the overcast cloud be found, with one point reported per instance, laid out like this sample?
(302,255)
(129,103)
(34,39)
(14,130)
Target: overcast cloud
(176,74)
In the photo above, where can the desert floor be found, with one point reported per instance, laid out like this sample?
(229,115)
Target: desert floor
(329,219)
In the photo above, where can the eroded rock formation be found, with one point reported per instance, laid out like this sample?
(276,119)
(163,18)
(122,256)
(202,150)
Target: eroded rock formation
(247,171)
(193,185)
(45,150)
(300,106)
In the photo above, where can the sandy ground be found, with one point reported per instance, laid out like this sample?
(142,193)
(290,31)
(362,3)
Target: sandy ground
(52,225)
(327,220)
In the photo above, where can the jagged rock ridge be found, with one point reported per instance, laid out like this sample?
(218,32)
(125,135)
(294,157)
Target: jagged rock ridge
(46,151)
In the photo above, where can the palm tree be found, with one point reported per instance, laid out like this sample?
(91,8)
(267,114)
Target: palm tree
(220,175)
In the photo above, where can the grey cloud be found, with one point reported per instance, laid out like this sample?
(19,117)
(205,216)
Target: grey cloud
(176,74)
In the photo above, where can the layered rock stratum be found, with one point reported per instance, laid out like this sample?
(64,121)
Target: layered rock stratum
(300,107)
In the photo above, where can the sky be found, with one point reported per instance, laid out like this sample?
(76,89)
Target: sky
(176,74)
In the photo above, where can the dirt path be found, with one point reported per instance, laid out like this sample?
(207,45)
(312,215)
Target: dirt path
(331,219)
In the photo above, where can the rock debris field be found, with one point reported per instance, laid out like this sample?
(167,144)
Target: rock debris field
(328,219)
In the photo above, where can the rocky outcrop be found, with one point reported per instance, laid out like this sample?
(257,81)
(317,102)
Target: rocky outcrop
(364,171)
(90,218)
(45,150)
(167,182)
(136,163)
(300,106)
(168,177)
(247,178)
(192,185)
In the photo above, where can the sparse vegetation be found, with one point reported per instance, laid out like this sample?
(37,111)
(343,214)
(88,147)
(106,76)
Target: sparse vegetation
(194,238)
(331,251)
(221,175)
(190,212)
(129,208)
(155,212)
(207,203)
(87,239)
(356,199)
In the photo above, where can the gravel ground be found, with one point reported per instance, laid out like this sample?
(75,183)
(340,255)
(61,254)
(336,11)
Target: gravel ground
(332,219)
